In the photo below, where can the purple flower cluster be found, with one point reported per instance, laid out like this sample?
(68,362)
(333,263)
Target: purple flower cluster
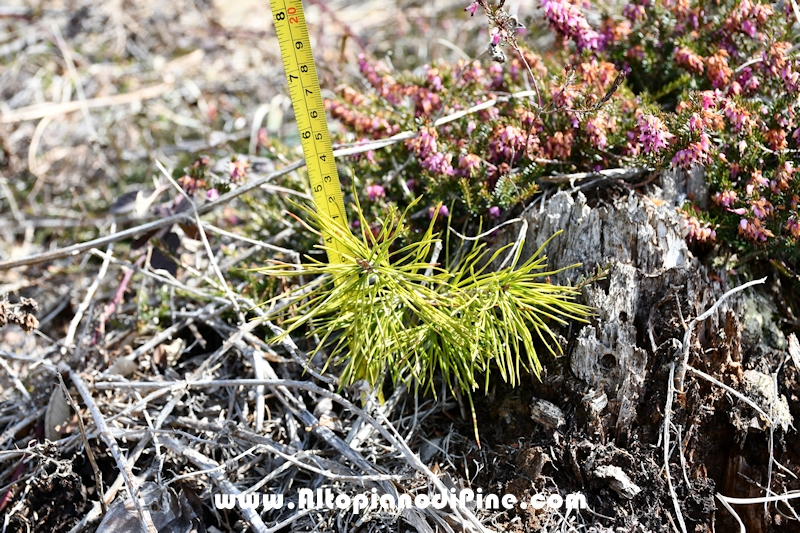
(756,183)
(723,118)
(778,63)
(653,134)
(748,16)
(738,117)
(792,227)
(438,163)
(425,148)
(725,198)
(596,130)
(696,230)
(689,60)
(634,12)
(444,212)
(754,230)
(238,170)
(570,22)
(434,79)
(509,143)
(380,82)
(468,164)
(375,191)
(697,153)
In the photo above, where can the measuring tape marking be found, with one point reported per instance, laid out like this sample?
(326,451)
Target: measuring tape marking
(309,111)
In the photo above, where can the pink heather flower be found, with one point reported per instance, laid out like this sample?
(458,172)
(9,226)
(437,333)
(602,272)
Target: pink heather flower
(238,170)
(559,145)
(212,194)
(776,139)
(375,191)
(739,118)
(761,208)
(708,99)
(494,212)
(568,20)
(383,83)
(438,163)
(496,73)
(472,8)
(757,182)
(783,177)
(754,230)
(689,60)
(474,73)
(793,227)
(434,80)
(749,27)
(695,154)
(634,12)
(471,127)
(696,123)
(596,129)
(632,147)
(424,144)
(749,81)
(425,101)
(653,134)
(636,52)
(746,17)
(791,78)
(725,198)
(467,163)
(444,212)
(719,73)
(694,229)
(369,72)
(509,141)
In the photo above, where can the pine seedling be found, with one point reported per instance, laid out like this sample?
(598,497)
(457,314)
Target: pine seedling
(386,310)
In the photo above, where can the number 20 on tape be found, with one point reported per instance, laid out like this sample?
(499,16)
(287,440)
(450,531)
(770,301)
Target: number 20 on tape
(309,111)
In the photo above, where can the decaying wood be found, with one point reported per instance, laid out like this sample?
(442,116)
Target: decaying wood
(640,243)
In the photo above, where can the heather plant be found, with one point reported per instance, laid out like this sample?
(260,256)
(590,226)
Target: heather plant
(699,86)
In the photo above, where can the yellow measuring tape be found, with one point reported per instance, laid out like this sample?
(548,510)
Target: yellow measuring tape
(309,111)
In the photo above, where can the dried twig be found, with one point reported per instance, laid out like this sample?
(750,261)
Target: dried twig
(116,453)
(687,336)
(212,468)
(211,259)
(76,320)
(667,431)
(45,110)
(281,386)
(98,477)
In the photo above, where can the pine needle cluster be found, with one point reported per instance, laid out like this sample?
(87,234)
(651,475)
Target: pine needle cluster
(387,310)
